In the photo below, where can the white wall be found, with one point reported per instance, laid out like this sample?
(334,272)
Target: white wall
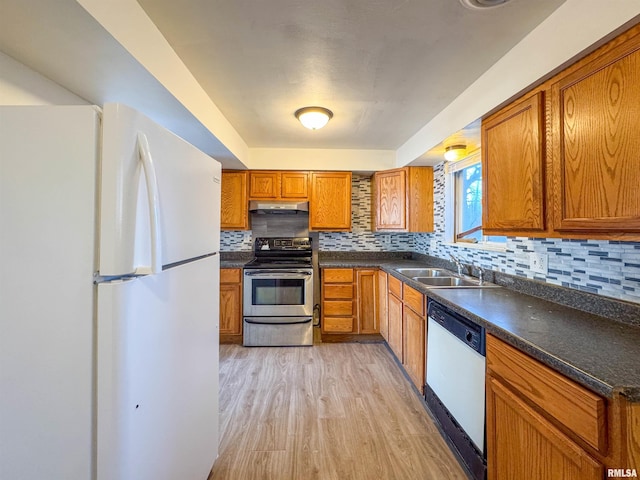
(19,85)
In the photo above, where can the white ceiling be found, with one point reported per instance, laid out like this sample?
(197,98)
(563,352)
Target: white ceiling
(384,67)
(400,76)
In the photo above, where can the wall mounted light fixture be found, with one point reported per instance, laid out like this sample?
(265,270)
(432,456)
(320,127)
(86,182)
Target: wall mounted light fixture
(314,118)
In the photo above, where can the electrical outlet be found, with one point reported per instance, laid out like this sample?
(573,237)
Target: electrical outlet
(538,262)
(386,239)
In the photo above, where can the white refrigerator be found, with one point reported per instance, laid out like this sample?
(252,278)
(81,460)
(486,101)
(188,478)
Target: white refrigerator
(109,297)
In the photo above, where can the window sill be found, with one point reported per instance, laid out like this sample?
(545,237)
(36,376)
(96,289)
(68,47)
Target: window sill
(477,246)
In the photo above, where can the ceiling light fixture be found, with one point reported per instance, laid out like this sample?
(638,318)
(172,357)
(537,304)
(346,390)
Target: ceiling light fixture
(483,4)
(455,152)
(314,118)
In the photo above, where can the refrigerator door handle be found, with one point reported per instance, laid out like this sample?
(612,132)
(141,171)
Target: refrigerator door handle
(154,207)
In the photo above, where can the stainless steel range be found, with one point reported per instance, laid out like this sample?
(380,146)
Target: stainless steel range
(278,293)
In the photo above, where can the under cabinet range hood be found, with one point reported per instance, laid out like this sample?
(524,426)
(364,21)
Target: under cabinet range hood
(278,207)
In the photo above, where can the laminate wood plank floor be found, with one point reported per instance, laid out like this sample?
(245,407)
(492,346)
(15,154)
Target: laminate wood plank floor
(327,412)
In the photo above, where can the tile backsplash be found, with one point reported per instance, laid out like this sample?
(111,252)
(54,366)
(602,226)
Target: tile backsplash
(609,268)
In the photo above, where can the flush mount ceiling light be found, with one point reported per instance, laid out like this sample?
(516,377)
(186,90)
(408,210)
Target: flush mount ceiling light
(455,152)
(482,4)
(314,118)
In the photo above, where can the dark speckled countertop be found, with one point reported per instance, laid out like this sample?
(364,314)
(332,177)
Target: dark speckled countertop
(600,353)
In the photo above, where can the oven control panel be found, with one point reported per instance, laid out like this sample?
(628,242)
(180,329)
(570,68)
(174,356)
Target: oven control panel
(279,244)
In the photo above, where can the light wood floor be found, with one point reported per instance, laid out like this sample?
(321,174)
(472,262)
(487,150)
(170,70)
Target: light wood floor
(331,411)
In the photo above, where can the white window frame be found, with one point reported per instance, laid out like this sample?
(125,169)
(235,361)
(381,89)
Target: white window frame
(450,169)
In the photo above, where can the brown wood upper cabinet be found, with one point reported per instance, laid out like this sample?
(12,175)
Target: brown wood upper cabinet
(278,185)
(402,200)
(330,201)
(596,125)
(513,170)
(563,160)
(234,214)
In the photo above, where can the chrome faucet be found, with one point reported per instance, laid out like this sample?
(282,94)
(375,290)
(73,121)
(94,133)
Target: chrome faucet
(480,274)
(458,264)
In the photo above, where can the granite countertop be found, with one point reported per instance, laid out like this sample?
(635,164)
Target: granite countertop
(599,353)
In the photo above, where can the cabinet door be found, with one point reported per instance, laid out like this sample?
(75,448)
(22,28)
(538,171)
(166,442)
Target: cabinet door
(233,206)
(395,325)
(414,346)
(367,299)
(330,201)
(231,309)
(383,311)
(294,185)
(390,200)
(513,172)
(264,185)
(523,444)
(596,166)
(420,199)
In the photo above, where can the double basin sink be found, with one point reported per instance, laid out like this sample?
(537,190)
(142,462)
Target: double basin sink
(441,278)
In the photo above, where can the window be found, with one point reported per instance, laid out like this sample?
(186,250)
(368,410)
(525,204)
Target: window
(466,179)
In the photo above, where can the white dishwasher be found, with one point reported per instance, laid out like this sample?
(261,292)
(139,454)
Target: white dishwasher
(455,383)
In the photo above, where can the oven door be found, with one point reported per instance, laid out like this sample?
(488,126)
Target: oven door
(274,292)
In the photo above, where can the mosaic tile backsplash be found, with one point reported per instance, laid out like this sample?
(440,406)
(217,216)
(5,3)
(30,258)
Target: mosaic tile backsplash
(609,268)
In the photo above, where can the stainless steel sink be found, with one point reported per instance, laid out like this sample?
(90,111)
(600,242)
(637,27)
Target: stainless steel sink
(452,282)
(424,272)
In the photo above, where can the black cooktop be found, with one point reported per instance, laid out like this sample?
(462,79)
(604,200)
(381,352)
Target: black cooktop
(281,252)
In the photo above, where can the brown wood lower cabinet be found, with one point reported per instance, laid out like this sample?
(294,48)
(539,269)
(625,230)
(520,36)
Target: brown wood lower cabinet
(383,310)
(543,425)
(349,301)
(394,307)
(231,305)
(523,444)
(414,327)
(407,328)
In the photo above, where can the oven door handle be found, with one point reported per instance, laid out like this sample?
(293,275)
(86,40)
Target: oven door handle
(264,322)
(276,273)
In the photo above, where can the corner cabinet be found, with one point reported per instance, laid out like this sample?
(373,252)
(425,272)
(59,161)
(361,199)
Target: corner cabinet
(596,120)
(402,200)
(234,213)
(330,201)
(513,168)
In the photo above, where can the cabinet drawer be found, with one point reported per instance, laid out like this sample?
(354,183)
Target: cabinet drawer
(395,286)
(337,307)
(338,324)
(338,291)
(414,299)
(337,275)
(230,275)
(580,410)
